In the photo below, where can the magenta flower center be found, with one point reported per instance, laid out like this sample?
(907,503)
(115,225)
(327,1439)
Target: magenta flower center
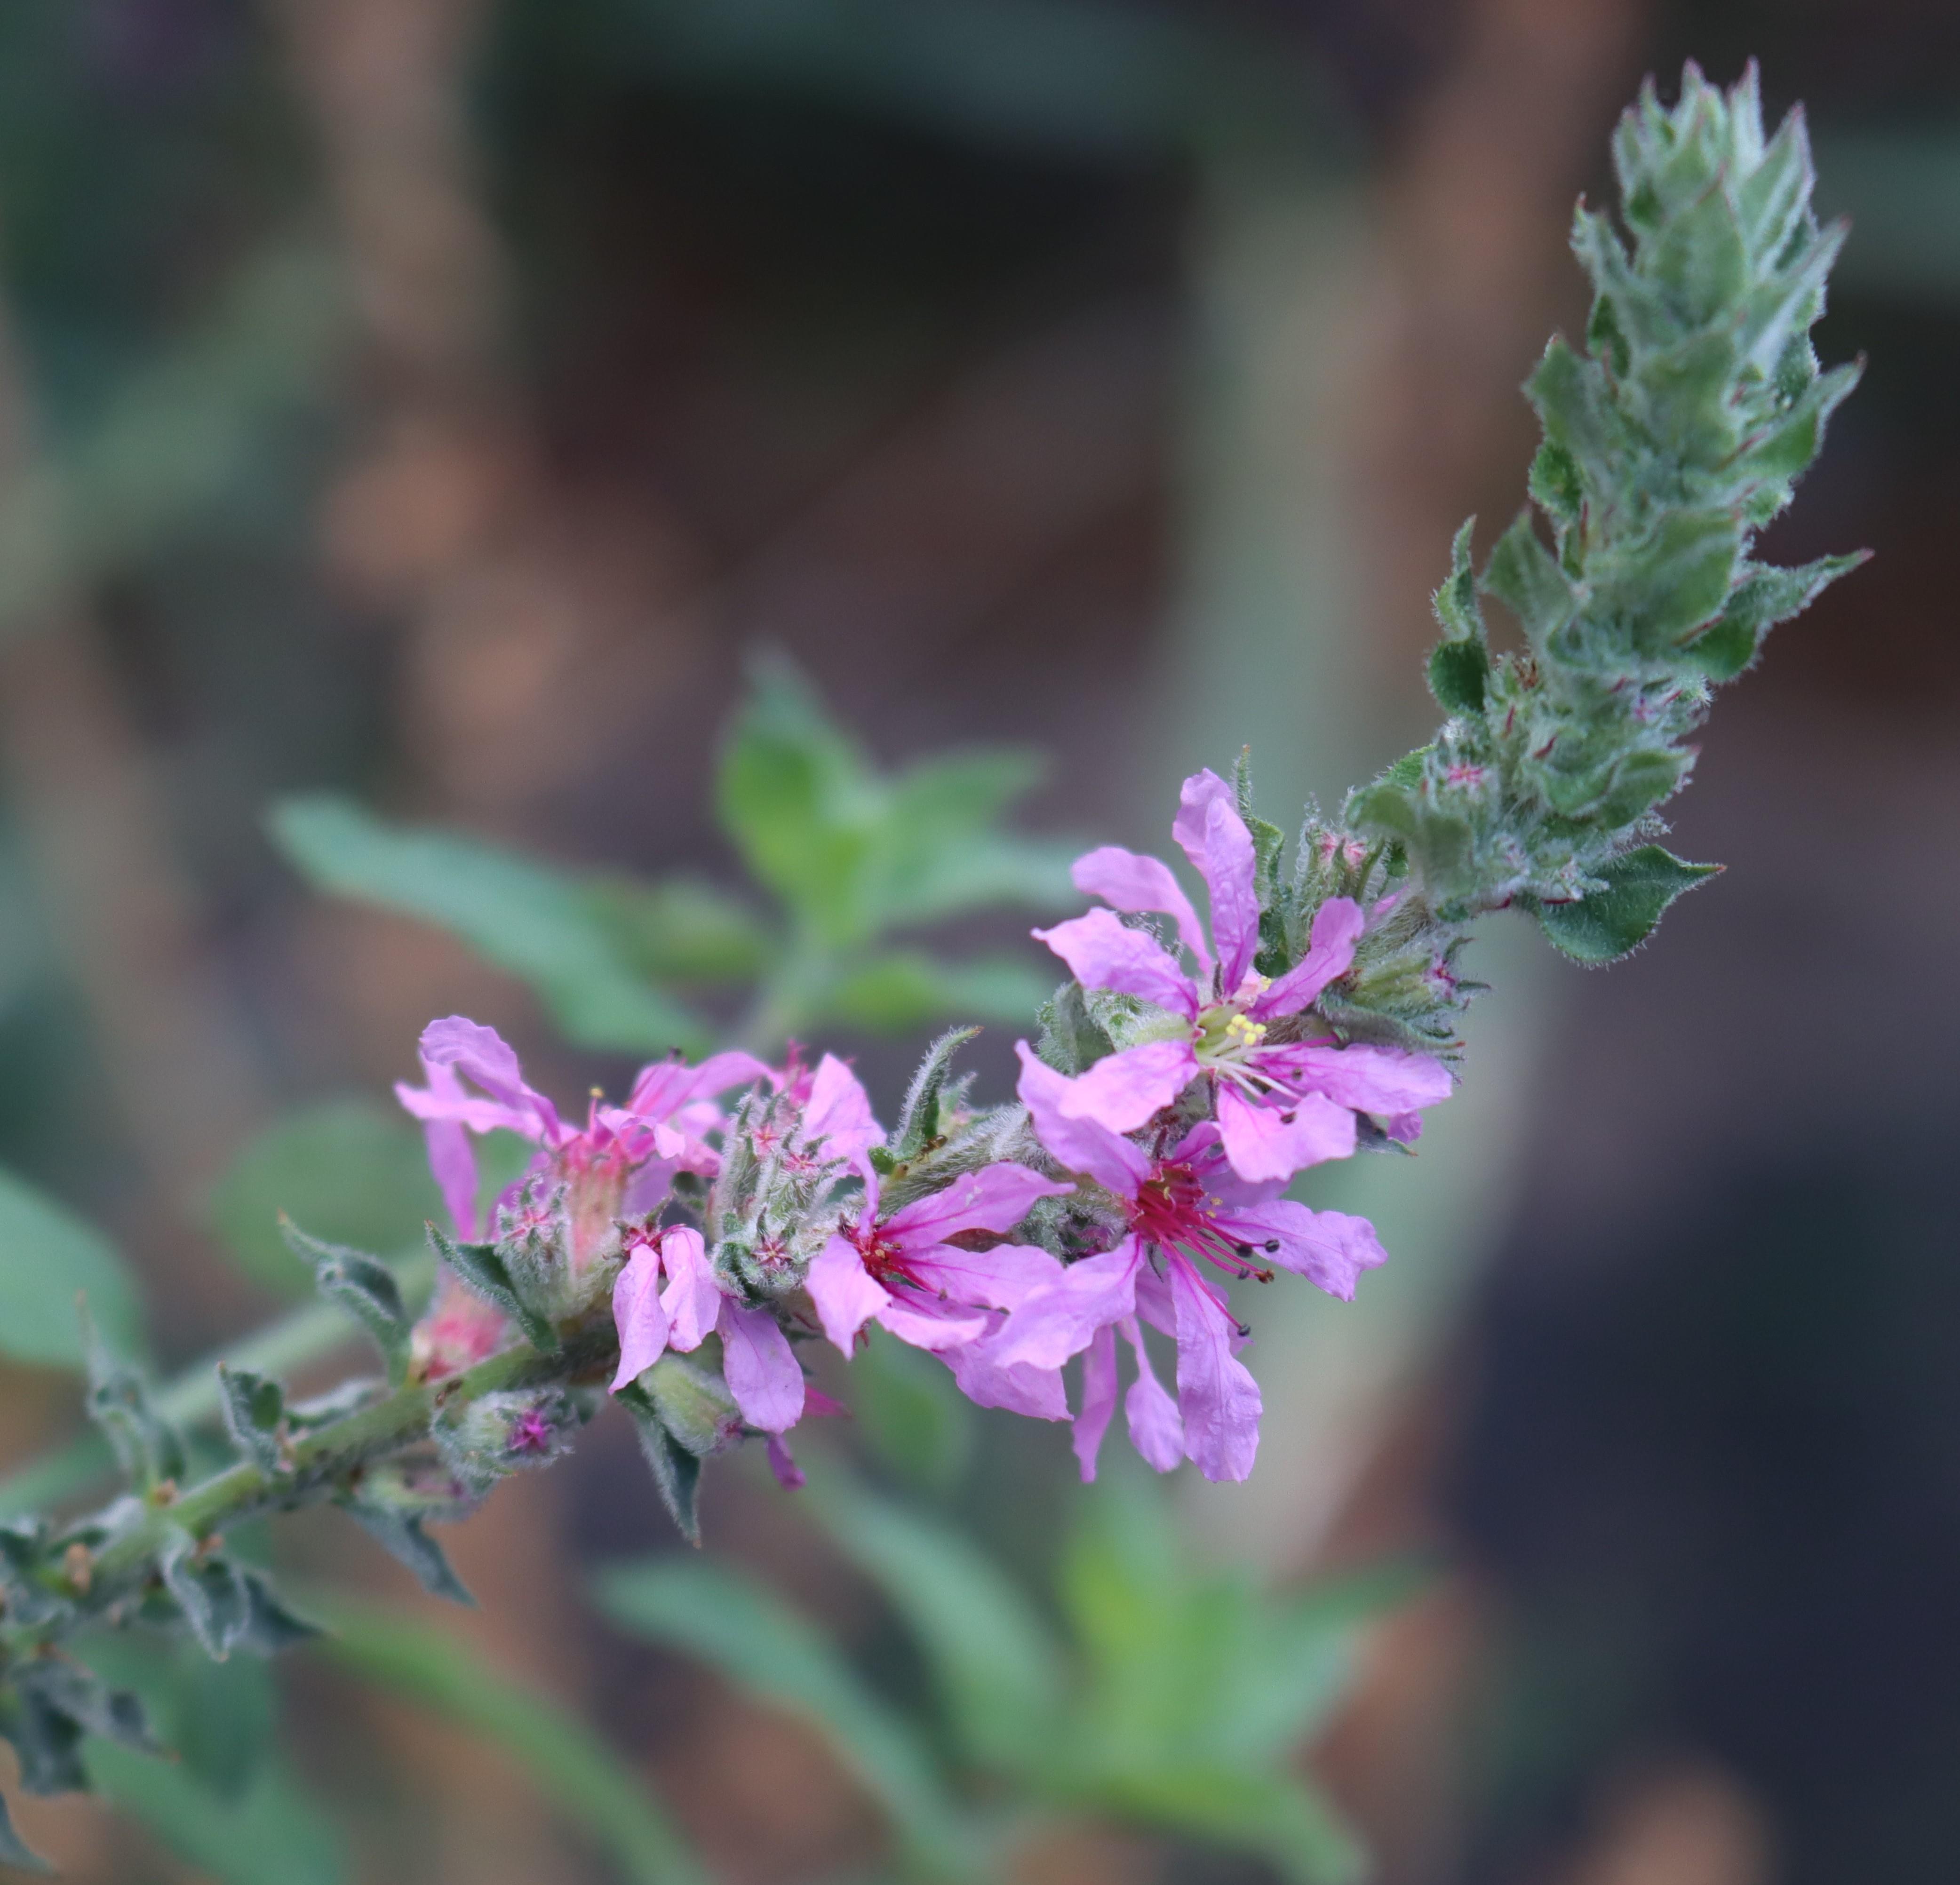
(1173,1211)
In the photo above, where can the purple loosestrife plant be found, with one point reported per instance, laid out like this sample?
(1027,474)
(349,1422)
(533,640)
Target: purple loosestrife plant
(689,1248)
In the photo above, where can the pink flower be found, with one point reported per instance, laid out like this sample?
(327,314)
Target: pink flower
(1184,1208)
(621,1160)
(1282,1104)
(904,1273)
(757,1361)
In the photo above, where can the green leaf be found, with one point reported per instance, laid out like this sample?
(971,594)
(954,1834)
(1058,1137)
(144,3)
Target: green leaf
(208,1590)
(919,1117)
(1676,580)
(363,1286)
(676,1466)
(910,1411)
(1272,1814)
(569,1765)
(221,1719)
(253,1407)
(715,1613)
(400,1532)
(1765,595)
(146,1446)
(1458,671)
(13,1850)
(680,930)
(904,989)
(526,919)
(1523,576)
(47,1256)
(998,1667)
(354,1172)
(274,1830)
(796,795)
(484,1274)
(1613,922)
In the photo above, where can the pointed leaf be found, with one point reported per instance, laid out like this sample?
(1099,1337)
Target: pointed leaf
(401,1535)
(676,1468)
(1613,922)
(918,1118)
(147,1447)
(363,1286)
(209,1591)
(485,1275)
(253,1407)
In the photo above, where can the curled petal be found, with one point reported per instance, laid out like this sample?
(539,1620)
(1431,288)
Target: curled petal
(482,1055)
(1219,1398)
(664,1087)
(638,1316)
(1329,1248)
(1275,1141)
(1330,954)
(846,1295)
(1061,1320)
(1103,951)
(1127,881)
(1099,1400)
(692,1298)
(1080,1144)
(1156,1429)
(995,1198)
(760,1368)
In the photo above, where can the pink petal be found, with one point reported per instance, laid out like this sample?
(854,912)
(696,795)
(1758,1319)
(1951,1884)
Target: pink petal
(839,1113)
(931,1328)
(760,1368)
(1215,839)
(1103,951)
(1370,1079)
(1079,1144)
(782,1463)
(664,1087)
(453,1164)
(1099,1400)
(1275,1141)
(1002,1278)
(1329,1248)
(1122,1090)
(847,1296)
(1330,954)
(637,1315)
(1061,1320)
(1154,1300)
(1219,1397)
(692,1298)
(995,1198)
(1019,1387)
(482,1055)
(1139,884)
(1156,1429)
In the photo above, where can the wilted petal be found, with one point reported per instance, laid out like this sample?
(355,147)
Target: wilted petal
(1219,1398)
(1276,1140)
(838,1114)
(1079,1144)
(1157,1430)
(1019,1387)
(1061,1320)
(782,1463)
(1330,954)
(846,1295)
(760,1368)
(995,1198)
(1099,1400)
(1328,1247)
(1137,884)
(1103,951)
(482,1055)
(637,1315)
(692,1298)
(1123,1090)
(1002,1278)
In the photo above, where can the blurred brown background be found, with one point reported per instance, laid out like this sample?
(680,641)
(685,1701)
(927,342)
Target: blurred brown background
(435,400)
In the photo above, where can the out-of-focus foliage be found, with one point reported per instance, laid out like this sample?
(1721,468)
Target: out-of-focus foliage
(47,1256)
(1176,1699)
(853,855)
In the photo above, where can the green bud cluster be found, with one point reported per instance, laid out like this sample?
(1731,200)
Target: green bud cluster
(1669,442)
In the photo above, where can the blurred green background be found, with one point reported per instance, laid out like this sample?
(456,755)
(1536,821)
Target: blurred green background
(429,406)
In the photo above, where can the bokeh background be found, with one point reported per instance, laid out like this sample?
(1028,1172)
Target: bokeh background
(437,401)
